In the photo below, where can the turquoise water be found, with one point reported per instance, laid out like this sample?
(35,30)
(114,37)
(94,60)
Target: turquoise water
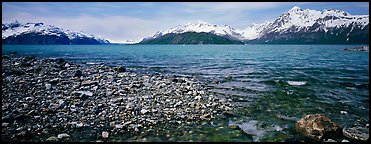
(264,81)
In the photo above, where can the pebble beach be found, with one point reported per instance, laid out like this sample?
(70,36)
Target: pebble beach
(53,99)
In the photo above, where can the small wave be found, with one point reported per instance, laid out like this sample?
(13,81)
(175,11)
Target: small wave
(296,83)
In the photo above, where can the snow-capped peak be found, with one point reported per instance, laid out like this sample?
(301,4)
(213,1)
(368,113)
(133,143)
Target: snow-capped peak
(16,28)
(199,26)
(295,8)
(304,19)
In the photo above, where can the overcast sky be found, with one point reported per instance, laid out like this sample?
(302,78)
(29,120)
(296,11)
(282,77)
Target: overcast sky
(121,21)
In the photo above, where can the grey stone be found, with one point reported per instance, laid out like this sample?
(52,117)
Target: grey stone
(48,86)
(88,83)
(5,124)
(52,138)
(105,134)
(63,135)
(356,133)
(78,73)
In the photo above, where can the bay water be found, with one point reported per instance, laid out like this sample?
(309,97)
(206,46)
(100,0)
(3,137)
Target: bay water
(271,85)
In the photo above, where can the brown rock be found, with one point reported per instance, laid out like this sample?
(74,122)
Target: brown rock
(316,126)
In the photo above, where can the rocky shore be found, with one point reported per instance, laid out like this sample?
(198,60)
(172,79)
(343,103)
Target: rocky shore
(359,48)
(52,99)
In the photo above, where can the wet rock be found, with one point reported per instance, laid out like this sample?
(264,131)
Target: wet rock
(198,98)
(53,106)
(79,125)
(54,81)
(143,111)
(21,134)
(48,86)
(60,61)
(88,83)
(344,140)
(252,128)
(105,134)
(330,140)
(63,135)
(78,73)
(359,48)
(232,125)
(26,64)
(84,93)
(4,124)
(67,65)
(120,69)
(52,138)
(356,133)
(317,126)
(119,126)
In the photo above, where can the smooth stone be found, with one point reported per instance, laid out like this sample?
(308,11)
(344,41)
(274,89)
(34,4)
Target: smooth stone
(52,138)
(330,140)
(87,93)
(64,135)
(89,82)
(29,98)
(119,126)
(79,125)
(4,124)
(344,140)
(143,111)
(198,97)
(48,86)
(67,65)
(105,134)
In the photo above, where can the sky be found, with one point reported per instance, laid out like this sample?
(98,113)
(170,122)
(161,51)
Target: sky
(121,21)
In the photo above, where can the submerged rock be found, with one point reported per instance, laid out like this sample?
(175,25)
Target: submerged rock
(356,133)
(317,126)
(52,138)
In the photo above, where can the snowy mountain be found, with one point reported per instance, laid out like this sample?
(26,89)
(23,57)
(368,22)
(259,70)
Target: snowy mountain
(311,26)
(198,27)
(39,33)
(294,26)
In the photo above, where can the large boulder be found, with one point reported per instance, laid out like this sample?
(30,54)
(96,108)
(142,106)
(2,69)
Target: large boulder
(317,127)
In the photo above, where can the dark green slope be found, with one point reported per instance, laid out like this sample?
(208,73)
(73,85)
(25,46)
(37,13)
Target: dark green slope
(191,38)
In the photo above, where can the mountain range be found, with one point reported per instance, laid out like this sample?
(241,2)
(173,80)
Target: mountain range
(38,33)
(296,26)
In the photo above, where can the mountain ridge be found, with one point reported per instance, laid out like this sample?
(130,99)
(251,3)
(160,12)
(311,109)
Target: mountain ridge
(311,26)
(39,33)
